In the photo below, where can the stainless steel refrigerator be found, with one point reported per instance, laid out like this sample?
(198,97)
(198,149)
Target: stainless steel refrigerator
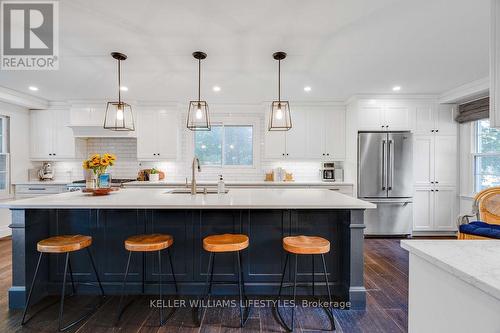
(385,177)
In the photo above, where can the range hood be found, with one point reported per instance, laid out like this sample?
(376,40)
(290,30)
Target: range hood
(92,131)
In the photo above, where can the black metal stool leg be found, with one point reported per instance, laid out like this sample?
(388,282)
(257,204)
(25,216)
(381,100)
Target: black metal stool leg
(208,283)
(120,309)
(95,272)
(330,311)
(283,277)
(240,289)
(294,292)
(159,289)
(173,273)
(247,308)
(61,307)
(71,276)
(31,289)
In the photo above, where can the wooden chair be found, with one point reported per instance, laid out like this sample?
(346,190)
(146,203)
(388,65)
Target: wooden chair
(486,211)
(226,243)
(63,244)
(144,244)
(304,245)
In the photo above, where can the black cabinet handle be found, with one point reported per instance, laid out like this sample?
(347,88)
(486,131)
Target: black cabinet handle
(436,182)
(287,154)
(432,182)
(437,190)
(328,154)
(437,131)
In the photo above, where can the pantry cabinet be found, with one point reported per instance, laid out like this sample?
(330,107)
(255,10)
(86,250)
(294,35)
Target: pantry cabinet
(438,119)
(50,137)
(435,160)
(434,209)
(157,135)
(316,133)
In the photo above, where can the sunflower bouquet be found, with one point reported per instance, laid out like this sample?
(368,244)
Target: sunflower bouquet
(98,164)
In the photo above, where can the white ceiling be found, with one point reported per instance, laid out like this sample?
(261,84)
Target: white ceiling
(338,47)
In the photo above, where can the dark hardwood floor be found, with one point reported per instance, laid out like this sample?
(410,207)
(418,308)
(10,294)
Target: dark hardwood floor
(386,279)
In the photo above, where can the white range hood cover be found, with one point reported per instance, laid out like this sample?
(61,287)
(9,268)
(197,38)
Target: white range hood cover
(99,132)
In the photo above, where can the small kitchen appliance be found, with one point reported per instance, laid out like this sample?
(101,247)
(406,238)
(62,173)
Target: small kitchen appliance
(328,172)
(46,172)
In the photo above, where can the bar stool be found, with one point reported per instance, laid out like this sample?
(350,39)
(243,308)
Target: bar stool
(63,244)
(304,245)
(149,243)
(226,243)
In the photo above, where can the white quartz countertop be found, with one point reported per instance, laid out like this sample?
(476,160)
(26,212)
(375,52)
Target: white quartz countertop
(237,183)
(140,198)
(43,182)
(476,262)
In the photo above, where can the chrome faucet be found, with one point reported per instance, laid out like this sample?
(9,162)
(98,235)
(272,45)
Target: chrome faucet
(196,161)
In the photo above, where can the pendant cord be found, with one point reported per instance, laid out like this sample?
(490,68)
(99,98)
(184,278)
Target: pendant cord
(279,80)
(119,84)
(199,79)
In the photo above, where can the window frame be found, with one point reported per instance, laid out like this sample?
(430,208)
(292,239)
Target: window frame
(227,120)
(5,150)
(475,154)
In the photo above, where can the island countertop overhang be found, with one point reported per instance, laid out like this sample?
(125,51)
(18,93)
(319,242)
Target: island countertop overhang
(132,198)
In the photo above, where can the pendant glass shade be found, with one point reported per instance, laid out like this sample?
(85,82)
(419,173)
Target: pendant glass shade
(198,116)
(119,116)
(280,119)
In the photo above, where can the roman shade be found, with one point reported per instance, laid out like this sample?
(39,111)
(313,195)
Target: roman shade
(475,110)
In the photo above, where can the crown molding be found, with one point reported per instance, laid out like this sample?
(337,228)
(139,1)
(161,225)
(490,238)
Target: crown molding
(467,92)
(357,97)
(21,99)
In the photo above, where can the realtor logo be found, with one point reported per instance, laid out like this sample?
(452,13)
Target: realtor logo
(29,35)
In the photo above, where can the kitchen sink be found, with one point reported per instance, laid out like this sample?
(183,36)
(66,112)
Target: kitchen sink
(199,190)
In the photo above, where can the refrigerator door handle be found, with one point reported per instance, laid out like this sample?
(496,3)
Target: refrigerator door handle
(390,163)
(384,172)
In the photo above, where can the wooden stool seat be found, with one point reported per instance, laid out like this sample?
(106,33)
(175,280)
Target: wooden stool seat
(225,243)
(148,243)
(64,243)
(306,245)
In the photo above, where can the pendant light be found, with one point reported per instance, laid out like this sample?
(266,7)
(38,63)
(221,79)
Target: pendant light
(119,115)
(280,119)
(198,118)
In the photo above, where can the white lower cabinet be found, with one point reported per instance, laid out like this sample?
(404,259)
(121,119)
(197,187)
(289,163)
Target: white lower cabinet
(50,137)
(434,209)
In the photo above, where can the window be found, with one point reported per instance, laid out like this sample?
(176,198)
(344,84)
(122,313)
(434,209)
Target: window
(486,156)
(225,145)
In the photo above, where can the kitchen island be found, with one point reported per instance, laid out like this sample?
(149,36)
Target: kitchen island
(265,215)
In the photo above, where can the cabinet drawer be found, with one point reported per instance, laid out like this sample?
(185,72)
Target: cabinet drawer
(39,189)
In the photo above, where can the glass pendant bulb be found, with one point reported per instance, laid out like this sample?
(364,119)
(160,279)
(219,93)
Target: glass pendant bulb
(119,113)
(199,113)
(279,113)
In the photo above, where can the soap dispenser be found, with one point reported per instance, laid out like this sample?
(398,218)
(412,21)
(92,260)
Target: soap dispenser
(221,187)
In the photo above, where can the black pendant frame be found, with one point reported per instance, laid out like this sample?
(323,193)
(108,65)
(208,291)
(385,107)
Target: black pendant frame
(198,117)
(114,119)
(280,118)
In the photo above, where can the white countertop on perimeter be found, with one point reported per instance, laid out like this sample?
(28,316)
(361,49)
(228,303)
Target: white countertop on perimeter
(43,182)
(476,262)
(237,183)
(140,198)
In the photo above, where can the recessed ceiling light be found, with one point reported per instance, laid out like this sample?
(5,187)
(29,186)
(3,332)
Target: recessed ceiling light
(396,88)
(216,88)
(33,88)
(307,89)
(123,88)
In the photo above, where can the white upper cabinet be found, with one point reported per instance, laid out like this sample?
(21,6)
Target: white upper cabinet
(157,134)
(423,161)
(438,119)
(383,116)
(50,137)
(317,133)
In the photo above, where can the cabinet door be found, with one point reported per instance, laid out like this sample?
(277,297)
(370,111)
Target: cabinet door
(168,135)
(64,142)
(274,144)
(444,209)
(370,118)
(423,161)
(445,120)
(424,120)
(423,209)
(315,140)
(295,137)
(41,135)
(397,117)
(445,160)
(335,134)
(147,135)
